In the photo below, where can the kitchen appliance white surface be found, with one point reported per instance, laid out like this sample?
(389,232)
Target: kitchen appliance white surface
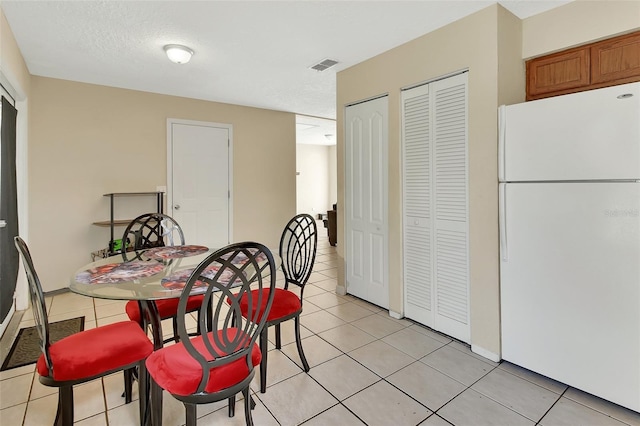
(590,135)
(570,242)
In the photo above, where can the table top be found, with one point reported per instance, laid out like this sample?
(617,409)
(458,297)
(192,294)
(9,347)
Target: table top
(153,274)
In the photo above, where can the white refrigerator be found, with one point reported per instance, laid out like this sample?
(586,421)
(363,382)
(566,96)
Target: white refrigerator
(569,169)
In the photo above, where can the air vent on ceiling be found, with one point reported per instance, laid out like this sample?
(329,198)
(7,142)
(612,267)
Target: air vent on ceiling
(321,66)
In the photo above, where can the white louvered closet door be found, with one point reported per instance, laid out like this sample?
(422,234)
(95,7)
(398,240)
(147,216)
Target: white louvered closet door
(416,133)
(436,265)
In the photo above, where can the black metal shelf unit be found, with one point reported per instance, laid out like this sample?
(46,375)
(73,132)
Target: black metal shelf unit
(112,223)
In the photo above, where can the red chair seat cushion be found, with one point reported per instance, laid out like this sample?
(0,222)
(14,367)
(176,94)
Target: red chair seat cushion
(167,308)
(95,351)
(176,371)
(285,303)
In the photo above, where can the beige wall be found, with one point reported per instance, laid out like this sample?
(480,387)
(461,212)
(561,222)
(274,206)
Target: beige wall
(12,65)
(80,132)
(578,22)
(15,76)
(470,43)
(333,176)
(87,140)
(312,182)
(511,68)
(491,44)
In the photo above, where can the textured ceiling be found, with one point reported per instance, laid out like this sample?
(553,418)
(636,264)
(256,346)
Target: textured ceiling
(254,53)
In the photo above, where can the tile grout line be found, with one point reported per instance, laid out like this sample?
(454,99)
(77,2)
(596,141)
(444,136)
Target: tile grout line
(450,344)
(552,405)
(381,379)
(487,396)
(339,401)
(26,407)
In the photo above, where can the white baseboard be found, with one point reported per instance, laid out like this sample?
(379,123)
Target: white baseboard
(395,315)
(485,353)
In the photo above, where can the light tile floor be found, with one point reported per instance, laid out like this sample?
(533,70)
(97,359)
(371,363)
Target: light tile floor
(366,368)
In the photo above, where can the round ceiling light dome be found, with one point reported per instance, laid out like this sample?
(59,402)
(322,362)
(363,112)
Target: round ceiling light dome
(178,54)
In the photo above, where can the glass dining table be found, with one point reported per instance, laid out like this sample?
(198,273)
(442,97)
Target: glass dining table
(146,276)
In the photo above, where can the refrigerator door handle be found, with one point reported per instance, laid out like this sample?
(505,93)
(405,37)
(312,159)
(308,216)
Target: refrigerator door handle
(502,216)
(502,134)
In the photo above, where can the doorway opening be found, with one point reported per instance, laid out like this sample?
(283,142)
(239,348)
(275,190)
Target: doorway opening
(316,167)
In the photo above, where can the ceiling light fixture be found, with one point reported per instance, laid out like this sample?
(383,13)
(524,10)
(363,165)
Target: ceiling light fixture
(178,53)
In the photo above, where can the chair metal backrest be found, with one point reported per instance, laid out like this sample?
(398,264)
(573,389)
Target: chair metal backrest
(298,245)
(38,305)
(152,230)
(226,276)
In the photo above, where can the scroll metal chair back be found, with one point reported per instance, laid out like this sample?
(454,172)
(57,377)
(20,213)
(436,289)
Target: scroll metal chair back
(219,363)
(146,231)
(155,230)
(298,245)
(151,230)
(86,355)
(38,304)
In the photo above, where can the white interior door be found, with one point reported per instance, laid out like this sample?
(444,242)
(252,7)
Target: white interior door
(199,181)
(366,176)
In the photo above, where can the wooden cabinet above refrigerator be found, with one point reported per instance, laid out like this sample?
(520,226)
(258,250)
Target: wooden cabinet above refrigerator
(605,63)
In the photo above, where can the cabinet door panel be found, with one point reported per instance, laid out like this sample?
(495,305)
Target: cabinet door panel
(616,60)
(558,72)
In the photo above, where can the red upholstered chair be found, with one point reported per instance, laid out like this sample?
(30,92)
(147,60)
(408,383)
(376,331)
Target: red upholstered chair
(144,232)
(218,363)
(298,245)
(86,355)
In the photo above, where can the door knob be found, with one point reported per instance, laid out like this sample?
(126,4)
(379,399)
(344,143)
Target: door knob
(176,207)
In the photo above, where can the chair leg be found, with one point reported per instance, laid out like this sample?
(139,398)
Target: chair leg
(278,337)
(232,406)
(305,364)
(143,392)
(64,416)
(128,385)
(155,402)
(247,406)
(191,414)
(264,346)
(130,375)
(58,420)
